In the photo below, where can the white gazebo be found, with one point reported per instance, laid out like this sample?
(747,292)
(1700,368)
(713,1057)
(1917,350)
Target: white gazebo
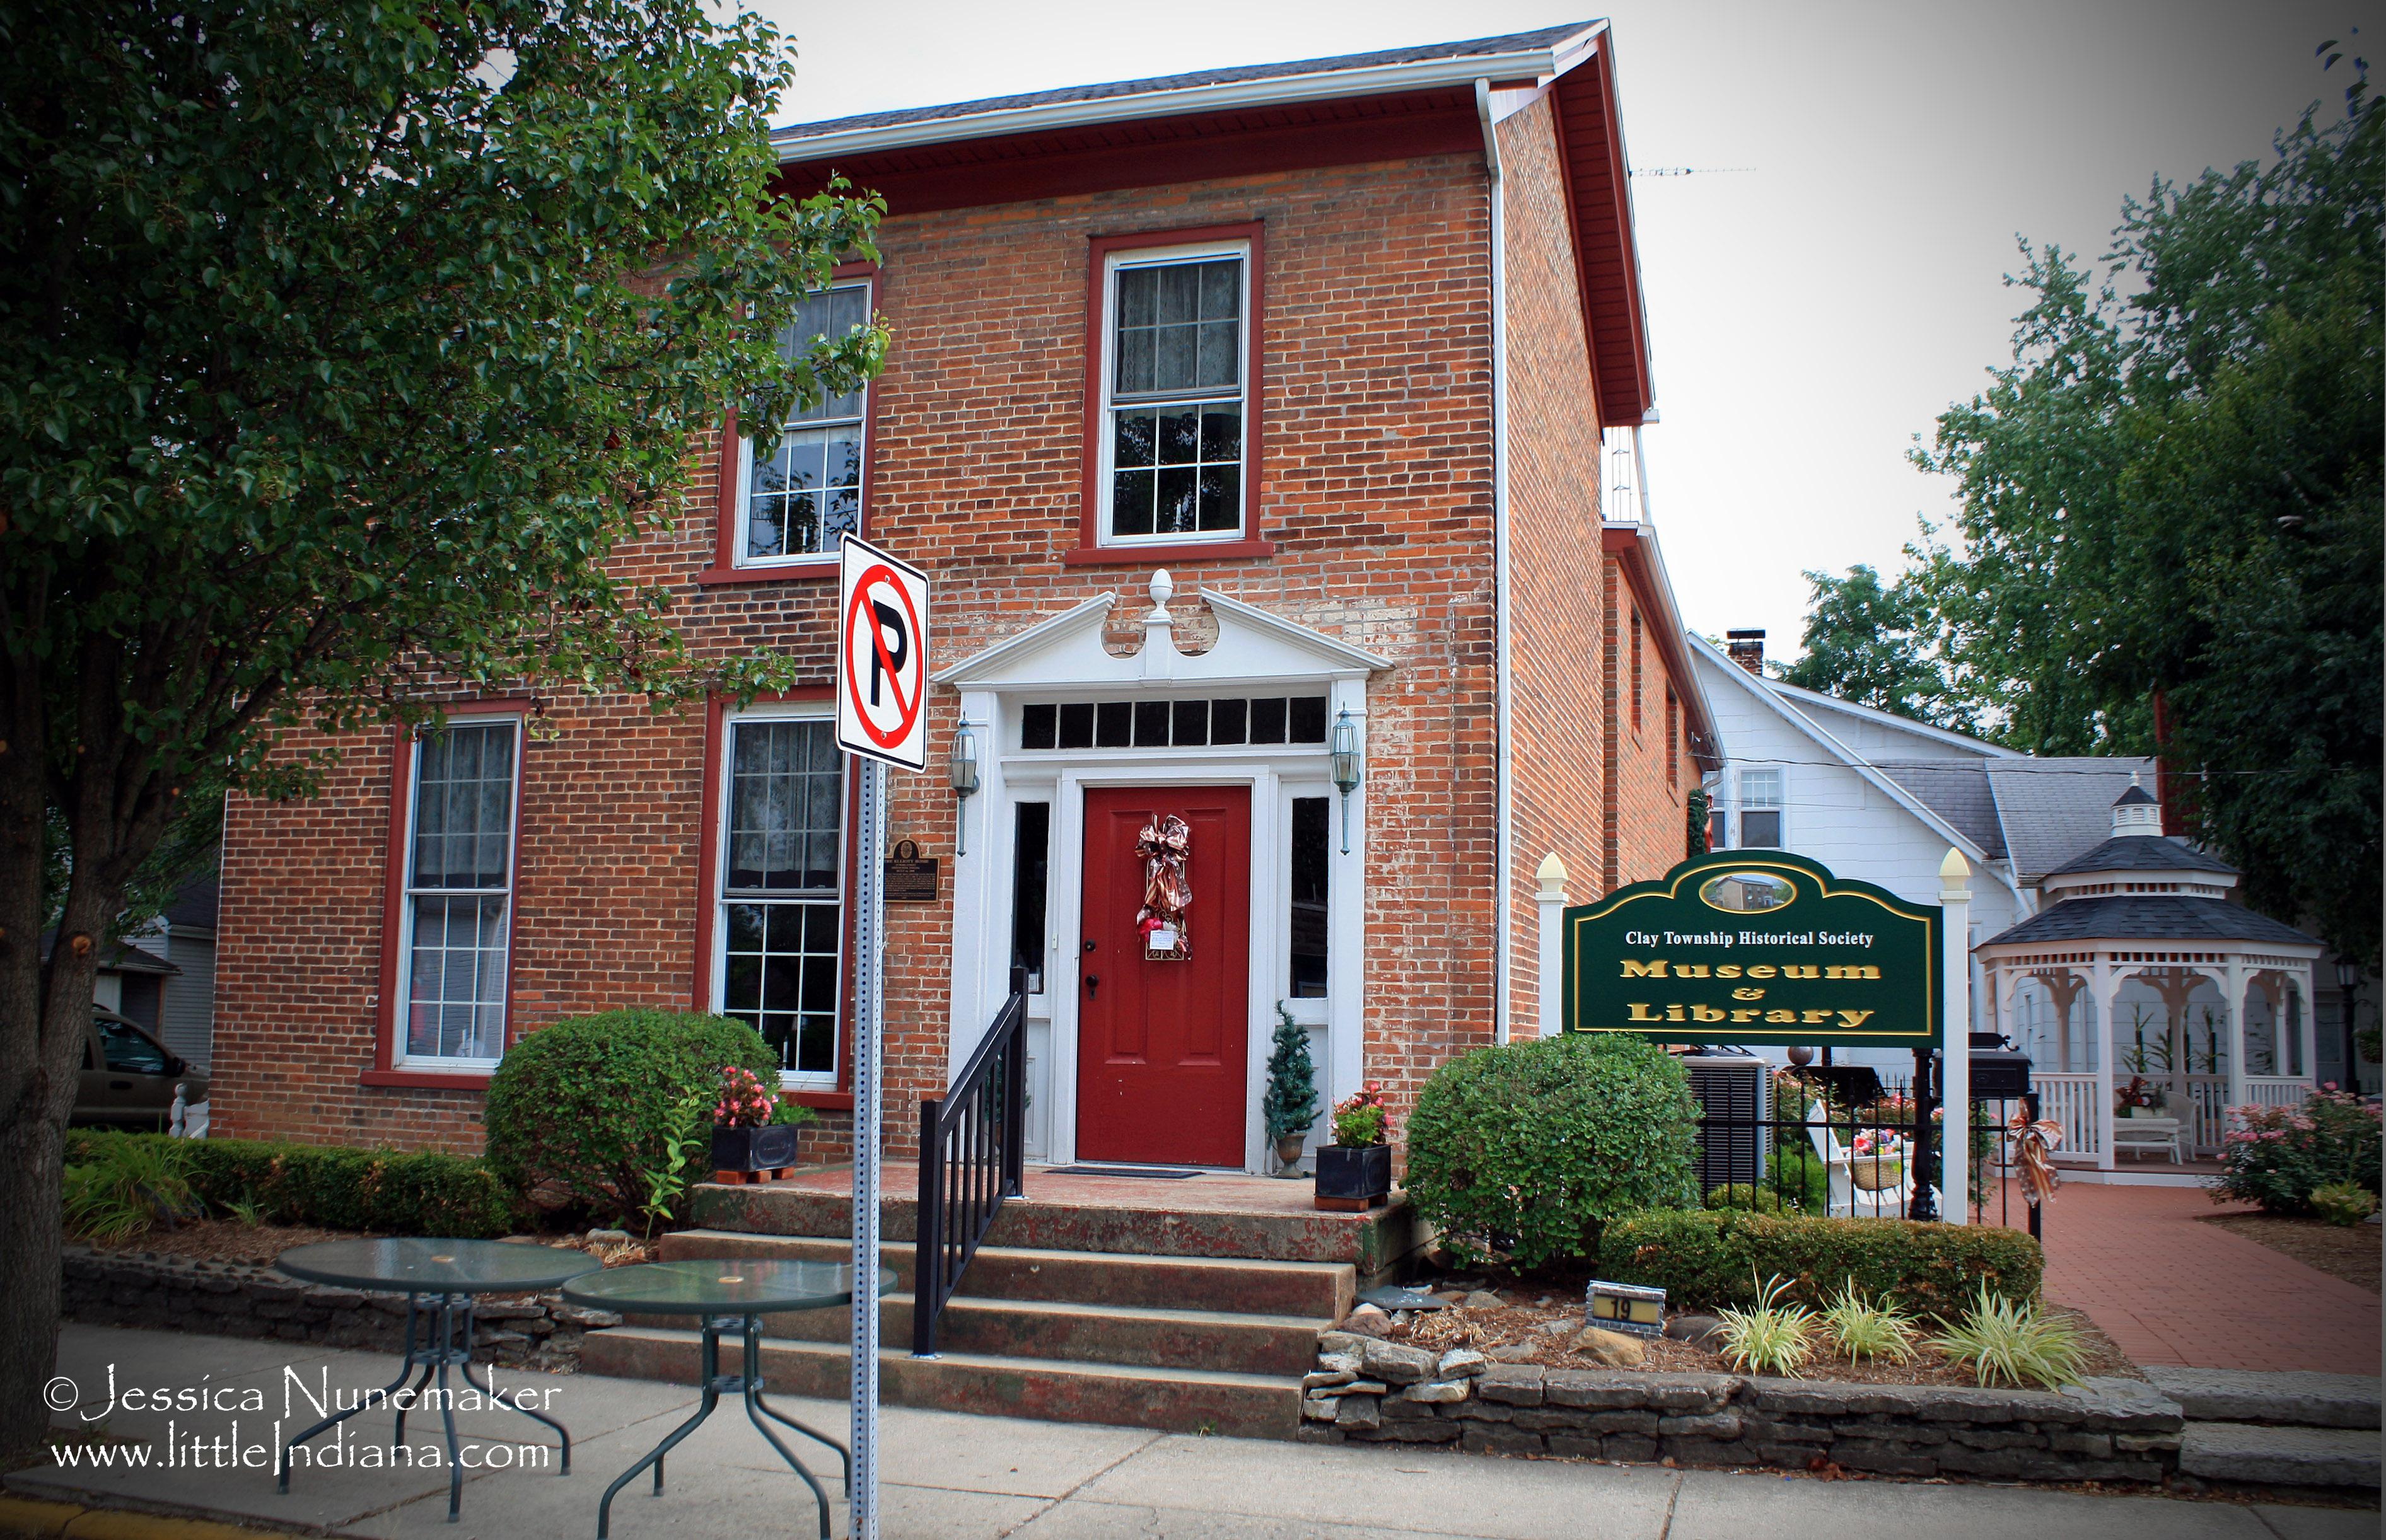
(2139,967)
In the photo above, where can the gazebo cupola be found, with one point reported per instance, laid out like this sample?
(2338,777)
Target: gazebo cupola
(2139,969)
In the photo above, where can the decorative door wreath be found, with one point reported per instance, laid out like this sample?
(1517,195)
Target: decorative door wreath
(1165,846)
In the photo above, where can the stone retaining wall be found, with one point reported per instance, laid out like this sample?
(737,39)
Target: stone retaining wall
(1369,1391)
(159,1292)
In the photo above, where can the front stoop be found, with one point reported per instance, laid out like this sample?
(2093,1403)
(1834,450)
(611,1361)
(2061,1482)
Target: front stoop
(1182,1343)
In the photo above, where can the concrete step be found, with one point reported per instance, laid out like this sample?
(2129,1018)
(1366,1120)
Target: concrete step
(2279,1456)
(1175,1400)
(1374,1242)
(2286,1399)
(1320,1290)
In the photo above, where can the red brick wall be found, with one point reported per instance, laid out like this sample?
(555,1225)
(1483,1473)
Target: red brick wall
(1648,832)
(1375,486)
(1557,644)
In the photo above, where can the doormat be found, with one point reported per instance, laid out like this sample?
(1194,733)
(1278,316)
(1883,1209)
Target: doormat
(1155,1173)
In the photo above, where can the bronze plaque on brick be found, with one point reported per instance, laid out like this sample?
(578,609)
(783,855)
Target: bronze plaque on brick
(911,878)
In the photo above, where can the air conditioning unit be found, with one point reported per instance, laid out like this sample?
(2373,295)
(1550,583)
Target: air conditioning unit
(1733,1092)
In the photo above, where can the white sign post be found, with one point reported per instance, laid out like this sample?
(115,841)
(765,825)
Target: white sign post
(1955,1038)
(882,687)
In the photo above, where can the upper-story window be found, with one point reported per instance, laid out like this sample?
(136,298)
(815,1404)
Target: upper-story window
(1760,809)
(1173,395)
(795,498)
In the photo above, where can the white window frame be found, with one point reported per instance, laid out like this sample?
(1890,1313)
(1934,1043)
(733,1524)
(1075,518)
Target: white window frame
(401,1034)
(823,560)
(1780,806)
(1106,436)
(718,964)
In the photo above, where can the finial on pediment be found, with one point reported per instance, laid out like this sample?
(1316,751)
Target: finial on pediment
(1163,588)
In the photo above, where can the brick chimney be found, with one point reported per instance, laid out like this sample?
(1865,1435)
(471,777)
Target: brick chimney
(1747,649)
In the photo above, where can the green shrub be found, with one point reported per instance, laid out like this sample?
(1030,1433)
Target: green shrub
(335,1187)
(591,1107)
(2341,1203)
(118,1186)
(1529,1147)
(2019,1343)
(1771,1336)
(1740,1195)
(2277,1156)
(1709,1259)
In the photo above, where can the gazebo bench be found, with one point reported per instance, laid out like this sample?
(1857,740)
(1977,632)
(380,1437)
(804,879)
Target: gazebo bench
(2147,1132)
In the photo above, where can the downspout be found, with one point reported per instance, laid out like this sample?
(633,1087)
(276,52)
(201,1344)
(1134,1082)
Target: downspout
(1504,841)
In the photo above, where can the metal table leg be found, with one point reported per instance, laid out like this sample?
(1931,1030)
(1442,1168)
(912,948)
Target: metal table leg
(751,1383)
(708,1377)
(406,1362)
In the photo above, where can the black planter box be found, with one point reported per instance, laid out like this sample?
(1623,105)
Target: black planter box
(1353,1176)
(753,1149)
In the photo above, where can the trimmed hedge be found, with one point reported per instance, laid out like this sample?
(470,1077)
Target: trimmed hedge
(335,1187)
(584,1107)
(1717,1258)
(1529,1147)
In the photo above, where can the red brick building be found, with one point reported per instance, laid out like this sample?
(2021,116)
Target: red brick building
(1340,346)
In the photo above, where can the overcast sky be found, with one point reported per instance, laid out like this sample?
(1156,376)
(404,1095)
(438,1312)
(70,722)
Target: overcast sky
(1809,315)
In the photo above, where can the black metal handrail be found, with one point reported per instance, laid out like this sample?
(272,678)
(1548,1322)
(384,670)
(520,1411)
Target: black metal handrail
(973,1155)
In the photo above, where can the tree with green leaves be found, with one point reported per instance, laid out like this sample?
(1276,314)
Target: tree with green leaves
(2171,501)
(341,343)
(1872,644)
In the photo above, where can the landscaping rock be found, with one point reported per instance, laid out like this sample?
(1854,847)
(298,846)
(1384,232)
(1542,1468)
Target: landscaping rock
(1701,1332)
(1328,1377)
(1512,1352)
(1358,1411)
(1367,1322)
(1439,1392)
(1398,1363)
(1612,1349)
(1341,1342)
(606,1237)
(1336,1363)
(1461,1362)
(1484,1299)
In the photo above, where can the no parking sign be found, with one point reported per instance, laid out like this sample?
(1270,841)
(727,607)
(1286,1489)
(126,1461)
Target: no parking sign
(881,652)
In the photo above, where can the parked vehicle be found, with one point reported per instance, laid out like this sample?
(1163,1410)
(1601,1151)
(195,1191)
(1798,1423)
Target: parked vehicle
(128,1077)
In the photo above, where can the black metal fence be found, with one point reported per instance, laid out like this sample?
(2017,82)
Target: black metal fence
(973,1155)
(1820,1140)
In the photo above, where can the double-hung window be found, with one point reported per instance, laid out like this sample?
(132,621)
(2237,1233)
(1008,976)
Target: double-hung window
(459,877)
(782,921)
(1760,809)
(800,495)
(1173,393)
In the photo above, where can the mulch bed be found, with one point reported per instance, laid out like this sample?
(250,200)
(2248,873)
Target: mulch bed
(1546,1322)
(2350,1252)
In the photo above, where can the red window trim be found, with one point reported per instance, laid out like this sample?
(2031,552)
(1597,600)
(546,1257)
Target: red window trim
(1090,549)
(707,891)
(724,568)
(384,1070)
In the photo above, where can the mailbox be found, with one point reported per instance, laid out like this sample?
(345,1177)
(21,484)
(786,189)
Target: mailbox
(1999,1074)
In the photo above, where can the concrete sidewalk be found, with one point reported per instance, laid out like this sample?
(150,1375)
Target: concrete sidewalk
(952,1477)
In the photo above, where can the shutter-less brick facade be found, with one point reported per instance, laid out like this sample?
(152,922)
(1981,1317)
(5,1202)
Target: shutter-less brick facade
(1375,488)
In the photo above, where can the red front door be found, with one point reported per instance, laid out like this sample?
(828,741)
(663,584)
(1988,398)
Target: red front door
(1160,1044)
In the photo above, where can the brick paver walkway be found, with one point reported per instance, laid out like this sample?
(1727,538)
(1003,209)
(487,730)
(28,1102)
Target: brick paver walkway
(2170,1290)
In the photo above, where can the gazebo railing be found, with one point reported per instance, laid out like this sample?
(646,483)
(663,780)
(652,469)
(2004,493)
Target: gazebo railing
(2075,1101)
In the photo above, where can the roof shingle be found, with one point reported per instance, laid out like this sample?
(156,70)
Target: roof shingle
(2150,917)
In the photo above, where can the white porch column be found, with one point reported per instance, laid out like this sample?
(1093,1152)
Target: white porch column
(1551,878)
(2306,1022)
(1955,1036)
(2239,980)
(2103,987)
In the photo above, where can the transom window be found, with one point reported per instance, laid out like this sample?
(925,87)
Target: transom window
(783,888)
(1175,393)
(1173,723)
(803,493)
(458,893)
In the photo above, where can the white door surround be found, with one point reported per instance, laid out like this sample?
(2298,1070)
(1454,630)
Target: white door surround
(1062,659)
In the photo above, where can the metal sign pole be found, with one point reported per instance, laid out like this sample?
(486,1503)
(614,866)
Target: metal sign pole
(868,932)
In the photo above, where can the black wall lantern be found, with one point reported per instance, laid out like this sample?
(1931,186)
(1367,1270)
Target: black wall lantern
(1350,766)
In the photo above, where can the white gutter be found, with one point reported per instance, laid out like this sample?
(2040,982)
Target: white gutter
(795,143)
(1504,841)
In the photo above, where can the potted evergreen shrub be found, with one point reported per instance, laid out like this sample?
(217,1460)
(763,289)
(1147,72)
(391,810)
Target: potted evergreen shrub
(1289,1104)
(753,1127)
(1354,1172)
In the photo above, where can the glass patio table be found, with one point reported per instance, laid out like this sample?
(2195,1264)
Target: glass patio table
(440,1279)
(726,1294)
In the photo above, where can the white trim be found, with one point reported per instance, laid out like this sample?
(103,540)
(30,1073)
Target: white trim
(1333,650)
(794,144)
(1800,696)
(1246,343)
(1503,840)
(716,966)
(400,1034)
(821,561)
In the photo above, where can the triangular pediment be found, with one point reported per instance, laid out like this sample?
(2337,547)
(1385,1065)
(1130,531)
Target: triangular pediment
(1253,647)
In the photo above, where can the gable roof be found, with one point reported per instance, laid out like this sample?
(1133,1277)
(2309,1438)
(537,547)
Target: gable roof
(1816,700)
(1348,109)
(2053,809)
(1956,792)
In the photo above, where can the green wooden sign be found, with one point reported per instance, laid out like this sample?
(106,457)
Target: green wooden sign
(1755,946)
